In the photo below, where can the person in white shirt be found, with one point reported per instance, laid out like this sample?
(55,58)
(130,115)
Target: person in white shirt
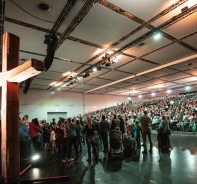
(52,139)
(130,121)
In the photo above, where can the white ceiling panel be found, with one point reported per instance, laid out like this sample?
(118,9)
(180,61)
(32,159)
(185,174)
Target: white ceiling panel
(50,75)
(36,86)
(133,37)
(138,79)
(121,85)
(150,44)
(192,71)
(26,34)
(160,73)
(63,66)
(183,27)
(192,63)
(75,51)
(187,80)
(115,75)
(169,54)
(42,82)
(175,76)
(78,90)
(191,40)
(137,66)
(96,26)
(174,12)
(143,9)
(43,18)
(86,86)
(98,81)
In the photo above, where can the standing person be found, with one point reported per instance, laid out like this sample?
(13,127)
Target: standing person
(104,128)
(24,137)
(89,129)
(122,126)
(33,132)
(72,138)
(115,123)
(163,134)
(145,121)
(79,135)
(63,141)
(26,121)
(52,139)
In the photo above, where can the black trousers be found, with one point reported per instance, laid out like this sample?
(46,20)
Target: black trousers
(72,141)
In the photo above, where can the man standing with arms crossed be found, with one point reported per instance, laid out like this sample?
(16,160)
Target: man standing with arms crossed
(145,121)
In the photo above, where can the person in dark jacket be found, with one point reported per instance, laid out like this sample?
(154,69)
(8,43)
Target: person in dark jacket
(122,128)
(115,123)
(89,130)
(104,128)
(145,121)
(72,138)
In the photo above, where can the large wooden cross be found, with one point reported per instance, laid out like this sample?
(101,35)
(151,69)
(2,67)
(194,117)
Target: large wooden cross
(10,77)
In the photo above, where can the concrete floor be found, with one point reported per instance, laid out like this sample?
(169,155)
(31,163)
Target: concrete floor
(177,166)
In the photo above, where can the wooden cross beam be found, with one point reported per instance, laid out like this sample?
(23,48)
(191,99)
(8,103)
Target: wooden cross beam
(11,75)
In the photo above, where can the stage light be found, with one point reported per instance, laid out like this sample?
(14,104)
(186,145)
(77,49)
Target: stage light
(153,94)
(187,88)
(168,91)
(35,157)
(115,60)
(118,56)
(157,35)
(140,96)
(94,68)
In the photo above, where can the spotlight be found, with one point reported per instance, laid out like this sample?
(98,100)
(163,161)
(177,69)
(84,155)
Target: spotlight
(118,56)
(35,157)
(168,91)
(115,60)
(94,68)
(106,60)
(140,96)
(187,88)
(153,94)
(157,35)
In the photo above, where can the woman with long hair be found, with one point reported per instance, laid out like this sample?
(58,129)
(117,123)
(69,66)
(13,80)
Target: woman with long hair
(89,130)
(79,135)
(163,134)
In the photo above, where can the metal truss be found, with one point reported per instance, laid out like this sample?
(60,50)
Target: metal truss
(67,8)
(77,19)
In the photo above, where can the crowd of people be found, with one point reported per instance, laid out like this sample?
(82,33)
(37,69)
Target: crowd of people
(134,121)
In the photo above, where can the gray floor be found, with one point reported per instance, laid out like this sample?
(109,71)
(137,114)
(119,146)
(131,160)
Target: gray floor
(177,166)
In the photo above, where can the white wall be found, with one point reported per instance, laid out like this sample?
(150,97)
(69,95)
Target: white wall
(36,103)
